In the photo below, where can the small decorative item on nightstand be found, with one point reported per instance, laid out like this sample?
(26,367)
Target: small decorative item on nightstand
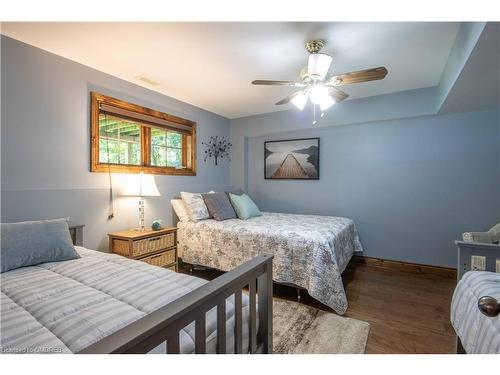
(158,248)
(156,224)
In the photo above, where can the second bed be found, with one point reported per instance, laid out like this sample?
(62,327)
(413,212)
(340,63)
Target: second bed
(310,251)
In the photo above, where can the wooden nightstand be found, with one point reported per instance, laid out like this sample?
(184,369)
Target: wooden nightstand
(156,247)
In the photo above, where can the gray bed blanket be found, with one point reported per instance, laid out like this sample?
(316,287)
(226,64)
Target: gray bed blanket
(63,307)
(309,251)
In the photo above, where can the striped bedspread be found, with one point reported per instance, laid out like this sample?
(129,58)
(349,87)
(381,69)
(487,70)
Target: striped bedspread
(64,307)
(478,333)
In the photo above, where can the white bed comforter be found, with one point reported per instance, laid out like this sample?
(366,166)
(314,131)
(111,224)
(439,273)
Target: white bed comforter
(478,333)
(64,307)
(309,251)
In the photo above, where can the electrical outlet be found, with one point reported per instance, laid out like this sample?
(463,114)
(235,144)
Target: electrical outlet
(478,263)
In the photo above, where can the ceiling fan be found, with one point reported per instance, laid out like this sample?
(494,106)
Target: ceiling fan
(315,83)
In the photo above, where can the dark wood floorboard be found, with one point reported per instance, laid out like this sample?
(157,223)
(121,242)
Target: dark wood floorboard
(408,312)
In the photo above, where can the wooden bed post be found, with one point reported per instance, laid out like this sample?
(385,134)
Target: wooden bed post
(265,307)
(76,232)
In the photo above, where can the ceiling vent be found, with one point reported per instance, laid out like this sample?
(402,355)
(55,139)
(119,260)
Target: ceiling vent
(147,80)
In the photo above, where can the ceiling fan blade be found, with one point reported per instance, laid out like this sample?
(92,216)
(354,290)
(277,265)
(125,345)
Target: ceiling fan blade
(287,99)
(337,94)
(358,76)
(279,83)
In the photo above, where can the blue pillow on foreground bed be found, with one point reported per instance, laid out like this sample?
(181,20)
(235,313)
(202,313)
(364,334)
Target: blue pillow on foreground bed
(245,207)
(33,242)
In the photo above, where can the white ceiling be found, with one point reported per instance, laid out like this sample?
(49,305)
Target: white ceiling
(211,65)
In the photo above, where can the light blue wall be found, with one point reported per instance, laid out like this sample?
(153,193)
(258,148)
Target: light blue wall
(476,85)
(410,103)
(467,37)
(411,180)
(411,185)
(45,144)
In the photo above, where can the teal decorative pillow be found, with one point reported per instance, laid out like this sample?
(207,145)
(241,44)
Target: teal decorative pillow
(245,208)
(33,242)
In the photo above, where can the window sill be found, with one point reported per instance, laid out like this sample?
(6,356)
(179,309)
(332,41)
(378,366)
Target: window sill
(105,168)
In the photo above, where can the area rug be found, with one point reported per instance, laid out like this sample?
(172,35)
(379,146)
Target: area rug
(301,329)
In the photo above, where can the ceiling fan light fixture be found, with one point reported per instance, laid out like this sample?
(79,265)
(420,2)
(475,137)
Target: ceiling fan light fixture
(299,100)
(318,94)
(318,65)
(314,84)
(326,103)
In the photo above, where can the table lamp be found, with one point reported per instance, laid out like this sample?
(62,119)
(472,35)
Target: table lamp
(142,185)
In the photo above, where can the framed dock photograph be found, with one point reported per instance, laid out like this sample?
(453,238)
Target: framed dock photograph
(293,159)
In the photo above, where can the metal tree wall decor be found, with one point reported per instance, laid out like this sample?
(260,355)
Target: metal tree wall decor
(217,147)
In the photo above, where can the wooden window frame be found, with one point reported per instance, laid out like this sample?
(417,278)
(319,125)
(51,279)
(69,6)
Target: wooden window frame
(97,100)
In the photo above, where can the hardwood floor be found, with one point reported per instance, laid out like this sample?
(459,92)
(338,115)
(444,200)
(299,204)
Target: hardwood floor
(408,311)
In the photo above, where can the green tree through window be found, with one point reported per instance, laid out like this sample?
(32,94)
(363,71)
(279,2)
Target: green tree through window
(166,148)
(119,141)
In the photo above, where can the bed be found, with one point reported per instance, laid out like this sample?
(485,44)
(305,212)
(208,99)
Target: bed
(310,251)
(105,303)
(478,333)
(474,308)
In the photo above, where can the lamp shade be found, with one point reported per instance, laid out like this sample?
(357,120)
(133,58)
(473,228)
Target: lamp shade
(319,94)
(141,185)
(326,103)
(318,65)
(299,100)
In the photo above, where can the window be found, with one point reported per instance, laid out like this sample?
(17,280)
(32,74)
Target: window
(119,141)
(127,138)
(166,148)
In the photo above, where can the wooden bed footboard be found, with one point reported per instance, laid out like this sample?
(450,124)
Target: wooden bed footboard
(165,323)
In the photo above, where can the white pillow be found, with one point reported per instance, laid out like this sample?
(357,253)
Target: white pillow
(180,209)
(195,205)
